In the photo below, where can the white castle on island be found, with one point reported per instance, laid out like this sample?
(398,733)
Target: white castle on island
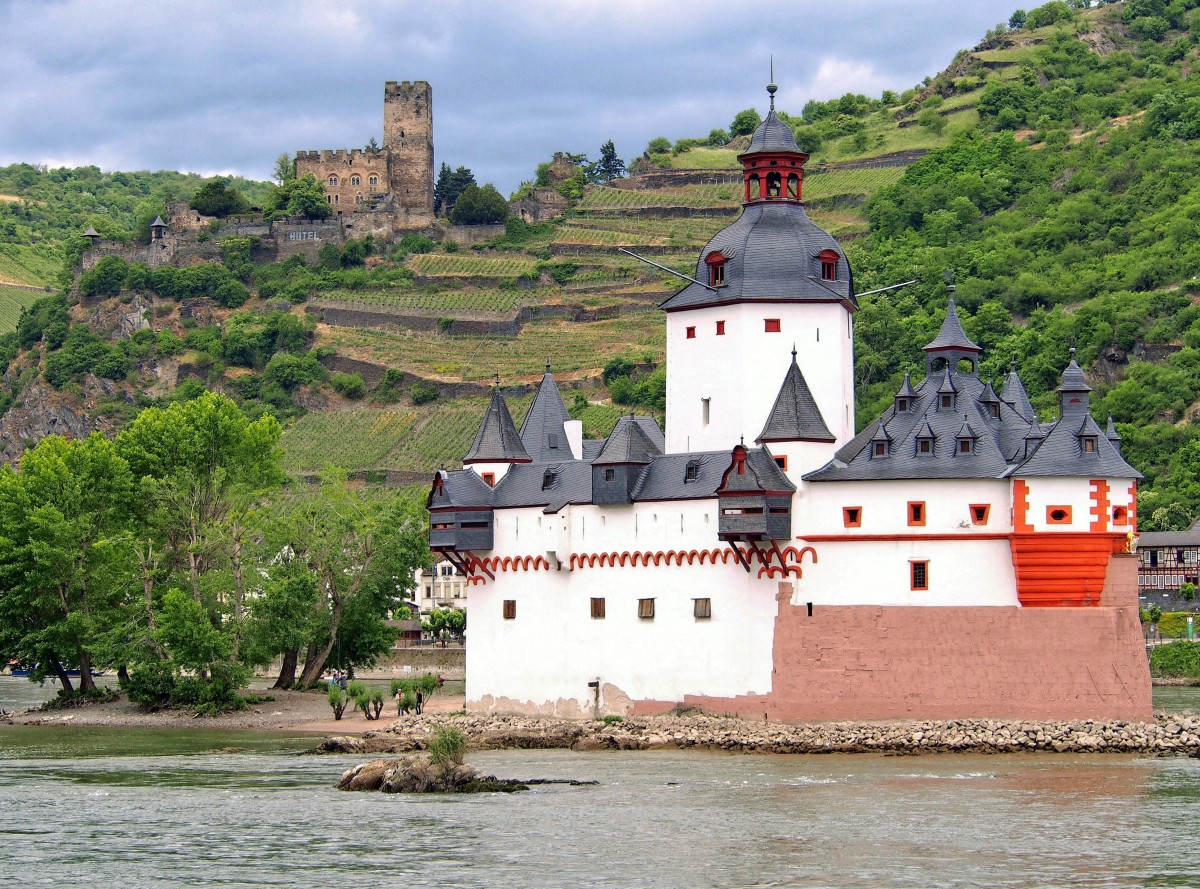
(956,558)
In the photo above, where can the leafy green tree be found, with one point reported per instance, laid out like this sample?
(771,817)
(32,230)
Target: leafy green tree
(717,138)
(219,198)
(479,206)
(300,197)
(285,169)
(62,552)
(609,166)
(745,122)
(659,145)
(106,278)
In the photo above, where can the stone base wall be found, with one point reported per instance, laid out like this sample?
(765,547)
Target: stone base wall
(866,662)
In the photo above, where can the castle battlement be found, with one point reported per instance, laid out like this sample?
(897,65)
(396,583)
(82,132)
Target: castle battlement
(341,155)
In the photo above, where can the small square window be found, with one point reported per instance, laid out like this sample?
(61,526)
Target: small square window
(510,609)
(924,446)
(1058,515)
(610,474)
(828,270)
(691,333)
(980,512)
(880,449)
(781,462)
(964,445)
(916,513)
(702,609)
(646,609)
(597,609)
(901,405)
(716,274)
(720,328)
(489,479)
(771,325)
(1089,445)
(947,401)
(919,575)
(691,472)
(852,516)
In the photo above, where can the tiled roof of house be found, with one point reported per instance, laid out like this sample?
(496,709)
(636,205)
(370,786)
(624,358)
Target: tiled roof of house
(772,135)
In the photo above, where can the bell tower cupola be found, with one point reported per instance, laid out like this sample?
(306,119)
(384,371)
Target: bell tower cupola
(773,165)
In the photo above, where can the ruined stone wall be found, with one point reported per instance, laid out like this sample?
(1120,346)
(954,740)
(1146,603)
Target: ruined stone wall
(408,139)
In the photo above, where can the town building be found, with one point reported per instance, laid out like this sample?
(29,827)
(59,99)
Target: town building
(1166,560)
(958,557)
(440,586)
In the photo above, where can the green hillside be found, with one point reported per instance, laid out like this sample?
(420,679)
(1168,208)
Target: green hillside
(1052,169)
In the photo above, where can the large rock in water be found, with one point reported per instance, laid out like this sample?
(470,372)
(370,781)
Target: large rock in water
(418,775)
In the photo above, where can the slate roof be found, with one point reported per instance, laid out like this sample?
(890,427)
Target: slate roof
(795,415)
(1190,537)
(764,474)
(497,440)
(952,335)
(666,477)
(628,443)
(543,433)
(771,255)
(158,222)
(525,484)
(1010,445)
(1013,393)
(461,487)
(772,135)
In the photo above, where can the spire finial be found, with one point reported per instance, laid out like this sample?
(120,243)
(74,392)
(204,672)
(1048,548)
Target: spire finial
(771,87)
(497,381)
(793,353)
(547,365)
(1072,353)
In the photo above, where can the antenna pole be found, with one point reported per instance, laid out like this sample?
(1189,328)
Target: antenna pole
(889,287)
(669,271)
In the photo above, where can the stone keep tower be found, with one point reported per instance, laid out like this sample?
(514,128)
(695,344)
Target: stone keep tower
(408,142)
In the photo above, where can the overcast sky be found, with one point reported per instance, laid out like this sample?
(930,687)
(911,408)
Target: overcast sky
(225,87)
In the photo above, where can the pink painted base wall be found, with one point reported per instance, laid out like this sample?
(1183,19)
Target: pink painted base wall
(866,662)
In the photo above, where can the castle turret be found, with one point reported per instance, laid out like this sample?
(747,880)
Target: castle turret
(771,279)
(496,445)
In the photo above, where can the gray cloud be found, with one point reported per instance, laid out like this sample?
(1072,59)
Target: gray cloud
(223,86)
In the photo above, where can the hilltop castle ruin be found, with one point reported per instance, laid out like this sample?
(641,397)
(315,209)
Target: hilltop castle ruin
(396,180)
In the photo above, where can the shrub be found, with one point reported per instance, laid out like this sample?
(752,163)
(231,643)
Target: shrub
(612,719)
(423,393)
(659,145)
(348,385)
(106,278)
(444,324)
(1181,659)
(150,686)
(415,244)
(290,371)
(337,700)
(231,294)
(447,746)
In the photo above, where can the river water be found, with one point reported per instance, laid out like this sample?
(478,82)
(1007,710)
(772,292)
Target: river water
(106,807)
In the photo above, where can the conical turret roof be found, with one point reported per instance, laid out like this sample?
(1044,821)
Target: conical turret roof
(952,335)
(1013,394)
(543,433)
(497,440)
(795,415)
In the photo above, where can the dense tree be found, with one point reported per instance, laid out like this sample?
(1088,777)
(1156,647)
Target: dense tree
(61,550)
(219,198)
(450,186)
(609,166)
(745,122)
(479,206)
(300,197)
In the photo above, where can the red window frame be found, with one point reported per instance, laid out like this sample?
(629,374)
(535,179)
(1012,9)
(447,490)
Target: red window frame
(916,513)
(690,333)
(918,574)
(852,516)
(720,328)
(1058,515)
(771,325)
(980,512)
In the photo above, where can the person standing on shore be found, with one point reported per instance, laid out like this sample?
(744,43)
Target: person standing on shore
(399,701)
(420,702)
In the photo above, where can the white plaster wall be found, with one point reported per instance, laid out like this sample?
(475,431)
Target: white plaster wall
(1073,492)
(498,468)
(818,506)
(741,371)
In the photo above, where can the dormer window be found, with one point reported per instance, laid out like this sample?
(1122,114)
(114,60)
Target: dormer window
(691,472)
(552,440)
(547,479)
(1088,442)
(902,405)
(993,409)
(964,446)
(948,402)
(716,268)
(879,449)
(610,474)
(924,446)
(829,264)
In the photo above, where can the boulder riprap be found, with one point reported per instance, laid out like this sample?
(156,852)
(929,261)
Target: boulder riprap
(1174,733)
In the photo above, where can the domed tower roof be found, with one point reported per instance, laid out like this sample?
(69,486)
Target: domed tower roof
(773,252)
